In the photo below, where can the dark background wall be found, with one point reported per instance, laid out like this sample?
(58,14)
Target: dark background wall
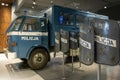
(113,12)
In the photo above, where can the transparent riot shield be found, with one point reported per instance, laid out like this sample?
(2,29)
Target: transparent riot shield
(86,41)
(74,43)
(74,37)
(57,41)
(107,42)
(64,41)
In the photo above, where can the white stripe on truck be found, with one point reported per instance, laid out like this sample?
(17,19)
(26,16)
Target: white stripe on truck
(28,33)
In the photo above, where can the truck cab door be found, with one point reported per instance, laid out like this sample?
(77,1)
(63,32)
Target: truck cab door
(44,31)
(29,36)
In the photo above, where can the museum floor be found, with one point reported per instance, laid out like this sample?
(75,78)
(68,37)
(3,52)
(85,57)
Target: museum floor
(13,69)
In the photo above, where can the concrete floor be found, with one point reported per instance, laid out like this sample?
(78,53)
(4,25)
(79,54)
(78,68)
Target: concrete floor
(12,69)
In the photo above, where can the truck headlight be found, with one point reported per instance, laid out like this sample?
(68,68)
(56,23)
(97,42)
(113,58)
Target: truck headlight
(14,44)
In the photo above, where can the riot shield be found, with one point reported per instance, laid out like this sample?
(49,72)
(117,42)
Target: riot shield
(74,36)
(86,41)
(57,41)
(74,42)
(106,42)
(64,40)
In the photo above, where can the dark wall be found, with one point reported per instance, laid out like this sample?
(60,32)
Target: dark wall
(113,12)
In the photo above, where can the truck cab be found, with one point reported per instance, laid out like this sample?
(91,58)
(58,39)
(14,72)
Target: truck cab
(28,39)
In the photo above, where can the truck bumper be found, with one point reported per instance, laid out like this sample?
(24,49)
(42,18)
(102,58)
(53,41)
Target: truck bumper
(10,55)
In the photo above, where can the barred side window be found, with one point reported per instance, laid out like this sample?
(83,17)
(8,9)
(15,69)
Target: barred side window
(66,19)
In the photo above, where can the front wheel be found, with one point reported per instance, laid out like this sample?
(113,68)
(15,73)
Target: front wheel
(38,59)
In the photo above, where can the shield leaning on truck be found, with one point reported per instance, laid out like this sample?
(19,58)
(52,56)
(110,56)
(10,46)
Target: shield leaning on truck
(74,43)
(64,41)
(74,36)
(86,41)
(107,42)
(57,41)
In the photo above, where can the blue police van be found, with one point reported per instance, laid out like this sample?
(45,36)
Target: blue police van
(33,37)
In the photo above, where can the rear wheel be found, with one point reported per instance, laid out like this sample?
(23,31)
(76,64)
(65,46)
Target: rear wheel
(38,59)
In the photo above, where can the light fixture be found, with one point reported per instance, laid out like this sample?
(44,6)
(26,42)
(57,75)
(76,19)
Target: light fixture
(33,7)
(34,2)
(2,4)
(6,4)
(51,2)
(105,7)
(76,7)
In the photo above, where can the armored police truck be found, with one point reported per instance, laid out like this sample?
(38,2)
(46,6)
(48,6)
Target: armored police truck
(32,38)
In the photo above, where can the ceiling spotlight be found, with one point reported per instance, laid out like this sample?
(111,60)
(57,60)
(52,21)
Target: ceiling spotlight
(51,2)
(33,7)
(6,4)
(2,4)
(105,7)
(34,2)
(76,7)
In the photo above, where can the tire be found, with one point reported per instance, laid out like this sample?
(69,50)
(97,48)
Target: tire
(38,59)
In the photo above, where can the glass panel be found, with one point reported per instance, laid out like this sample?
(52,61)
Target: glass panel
(66,19)
(43,25)
(31,24)
(81,20)
(16,24)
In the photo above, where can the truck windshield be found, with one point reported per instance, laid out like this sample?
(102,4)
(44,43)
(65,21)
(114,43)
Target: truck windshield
(16,24)
(31,24)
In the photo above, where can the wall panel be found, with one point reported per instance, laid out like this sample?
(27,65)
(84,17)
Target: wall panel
(5,19)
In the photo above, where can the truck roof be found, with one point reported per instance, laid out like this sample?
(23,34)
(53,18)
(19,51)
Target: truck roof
(29,16)
(86,13)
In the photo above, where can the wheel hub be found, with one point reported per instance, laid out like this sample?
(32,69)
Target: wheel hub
(38,58)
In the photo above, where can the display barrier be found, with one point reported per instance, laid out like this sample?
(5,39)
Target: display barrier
(107,42)
(86,41)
